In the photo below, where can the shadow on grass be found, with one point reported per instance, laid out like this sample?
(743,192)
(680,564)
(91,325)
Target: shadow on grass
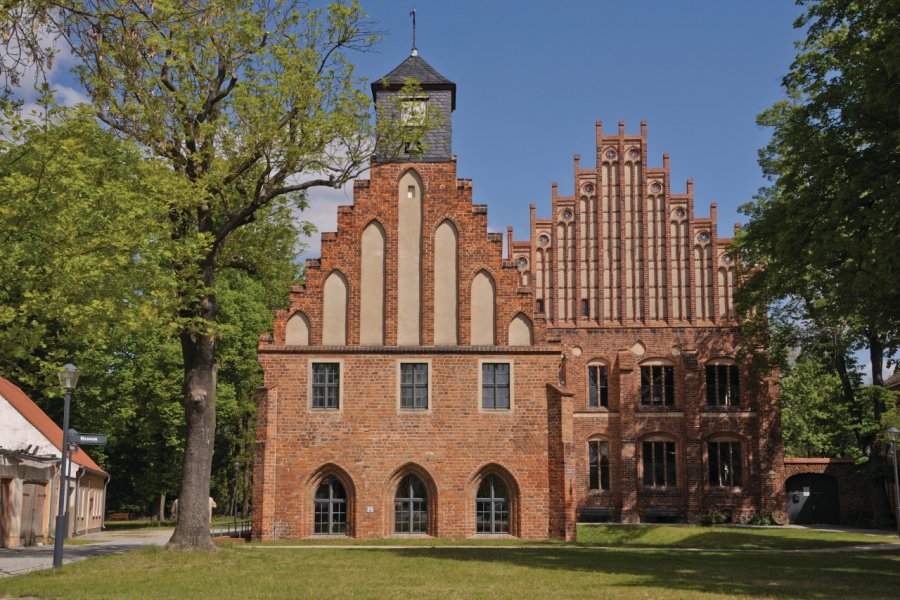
(720,538)
(842,575)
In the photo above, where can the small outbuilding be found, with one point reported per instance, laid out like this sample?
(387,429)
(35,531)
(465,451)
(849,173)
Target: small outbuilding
(30,451)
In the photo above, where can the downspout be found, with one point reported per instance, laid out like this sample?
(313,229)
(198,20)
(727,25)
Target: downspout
(77,498)
(103,511)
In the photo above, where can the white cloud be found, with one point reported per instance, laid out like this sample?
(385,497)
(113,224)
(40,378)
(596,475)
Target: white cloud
(866,371)
(322,212)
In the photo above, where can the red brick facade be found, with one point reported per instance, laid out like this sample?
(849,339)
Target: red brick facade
(608,296)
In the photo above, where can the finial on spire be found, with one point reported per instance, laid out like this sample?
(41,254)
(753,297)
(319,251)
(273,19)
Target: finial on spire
(415,51)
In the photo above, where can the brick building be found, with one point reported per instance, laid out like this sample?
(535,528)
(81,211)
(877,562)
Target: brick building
(422,383)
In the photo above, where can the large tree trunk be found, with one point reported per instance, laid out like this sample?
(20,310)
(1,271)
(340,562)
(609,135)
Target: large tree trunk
(199,389)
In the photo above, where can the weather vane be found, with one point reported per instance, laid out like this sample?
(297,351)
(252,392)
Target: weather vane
(412,13)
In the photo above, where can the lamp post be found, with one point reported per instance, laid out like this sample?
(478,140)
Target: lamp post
(892,435)
(68,378)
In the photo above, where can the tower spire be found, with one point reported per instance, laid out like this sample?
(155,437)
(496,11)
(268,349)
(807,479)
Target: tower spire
(415,51)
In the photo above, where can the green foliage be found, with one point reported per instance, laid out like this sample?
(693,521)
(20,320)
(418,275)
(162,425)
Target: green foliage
(820,250)
(817,420)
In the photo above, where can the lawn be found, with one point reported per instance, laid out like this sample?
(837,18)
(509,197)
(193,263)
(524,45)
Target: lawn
(517,571)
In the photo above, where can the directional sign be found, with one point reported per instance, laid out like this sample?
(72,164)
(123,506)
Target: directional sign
(87,439)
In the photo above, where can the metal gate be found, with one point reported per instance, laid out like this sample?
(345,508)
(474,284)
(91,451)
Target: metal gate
(812,498)
(33,496)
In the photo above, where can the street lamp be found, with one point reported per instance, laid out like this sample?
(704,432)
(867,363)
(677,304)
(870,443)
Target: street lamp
(68,378)
(892,435)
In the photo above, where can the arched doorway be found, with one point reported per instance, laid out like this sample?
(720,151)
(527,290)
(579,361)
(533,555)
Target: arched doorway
(812,498)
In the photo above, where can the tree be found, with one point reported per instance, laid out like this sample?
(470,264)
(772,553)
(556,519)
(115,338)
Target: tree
(247,102)
(825,230)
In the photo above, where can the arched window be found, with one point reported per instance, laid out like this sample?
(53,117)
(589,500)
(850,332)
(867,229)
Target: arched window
(598,385)
(598,462)
(492,506)
(330,508)
(411,506)
(659,462)
(722,383)
(725,467)
(657,384)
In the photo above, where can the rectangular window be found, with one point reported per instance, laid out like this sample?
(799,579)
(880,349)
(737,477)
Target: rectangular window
(598,459)
(659,464)
(598,388)
(658,385)
(326,385)
(725,464)
(495,386)
(414,386)
(722,385)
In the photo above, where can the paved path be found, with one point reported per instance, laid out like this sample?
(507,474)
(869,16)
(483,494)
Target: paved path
(16,561)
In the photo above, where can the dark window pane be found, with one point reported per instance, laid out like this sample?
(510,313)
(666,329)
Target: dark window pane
(647,455)
(414,385)
(495,392)
(593,386)
(645,386)
(604,465)
(722,384)
(670,385)
(735,385)
(670,464)
(736,465)
(713,451)
(604,387)
(711,385)
(657,382)
(593,464)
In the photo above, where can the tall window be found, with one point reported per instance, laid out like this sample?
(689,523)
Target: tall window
(585,308)
(598,459)
(495,386)
(414,385)
(492,506)
(598,389)
(330,508)
(659,463)
(658,385)
(539,306)
(725,464)
(326,385)
(722,385)
(411,506)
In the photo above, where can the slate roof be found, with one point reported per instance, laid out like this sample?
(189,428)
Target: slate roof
(50,430)
(415,67)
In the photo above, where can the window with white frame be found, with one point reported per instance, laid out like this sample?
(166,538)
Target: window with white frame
(725,468)
(598,465)
(723,384)
(414,386)
(326,385)
(659,463)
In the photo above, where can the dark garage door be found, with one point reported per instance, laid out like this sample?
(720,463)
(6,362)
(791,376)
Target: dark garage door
(812,499)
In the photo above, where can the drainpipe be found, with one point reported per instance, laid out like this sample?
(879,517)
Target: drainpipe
(77,497)
(103,511)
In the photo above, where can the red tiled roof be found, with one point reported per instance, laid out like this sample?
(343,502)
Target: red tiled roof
(33,413)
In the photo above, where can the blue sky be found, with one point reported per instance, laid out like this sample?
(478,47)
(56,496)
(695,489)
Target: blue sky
(533,78)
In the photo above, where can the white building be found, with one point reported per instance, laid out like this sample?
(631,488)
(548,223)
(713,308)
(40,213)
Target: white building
(30,450)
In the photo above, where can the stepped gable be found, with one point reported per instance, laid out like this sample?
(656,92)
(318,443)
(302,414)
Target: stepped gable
(445,198)
(625,249)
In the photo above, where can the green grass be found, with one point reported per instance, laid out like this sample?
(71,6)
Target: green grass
(521,570)
(729,537)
